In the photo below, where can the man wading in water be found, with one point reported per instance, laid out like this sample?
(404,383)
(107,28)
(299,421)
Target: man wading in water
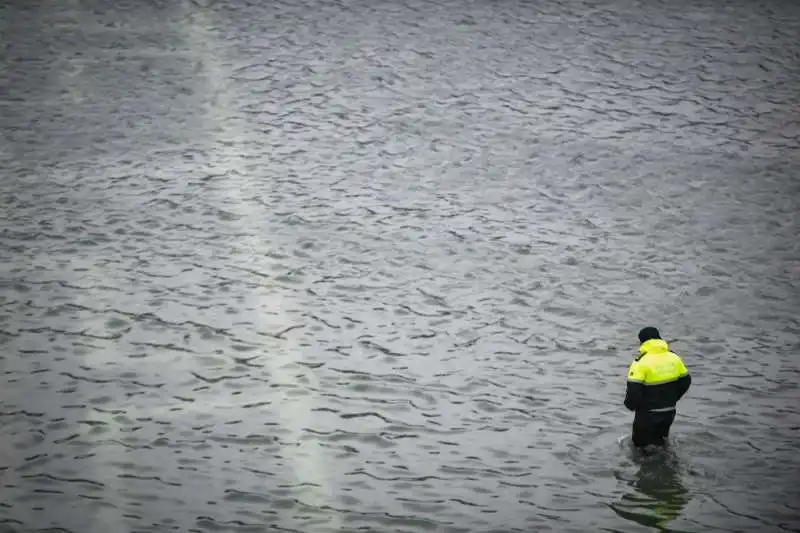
(657,379)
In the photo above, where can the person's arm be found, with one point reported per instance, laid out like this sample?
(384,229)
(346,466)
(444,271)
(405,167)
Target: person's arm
(684,382)
(634,392)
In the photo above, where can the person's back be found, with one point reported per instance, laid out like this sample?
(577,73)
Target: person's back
(657,380)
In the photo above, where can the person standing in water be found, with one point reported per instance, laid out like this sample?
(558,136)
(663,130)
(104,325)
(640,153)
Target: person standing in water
(657,380)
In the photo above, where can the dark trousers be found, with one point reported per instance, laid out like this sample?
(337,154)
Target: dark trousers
(651,428)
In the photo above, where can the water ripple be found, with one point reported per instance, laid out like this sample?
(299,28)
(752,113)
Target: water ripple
(320,266)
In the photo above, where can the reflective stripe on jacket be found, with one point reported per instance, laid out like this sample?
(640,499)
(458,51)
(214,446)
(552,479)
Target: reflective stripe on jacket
(657,379)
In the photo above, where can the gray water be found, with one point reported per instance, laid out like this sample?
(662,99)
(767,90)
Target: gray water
(338,266)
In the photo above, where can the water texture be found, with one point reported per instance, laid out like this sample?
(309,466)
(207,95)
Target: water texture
(341,265)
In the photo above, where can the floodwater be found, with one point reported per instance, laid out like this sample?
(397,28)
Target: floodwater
(347,265)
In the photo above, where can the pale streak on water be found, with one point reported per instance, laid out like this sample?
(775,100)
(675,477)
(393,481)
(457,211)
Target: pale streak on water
(372,266)
(306,464)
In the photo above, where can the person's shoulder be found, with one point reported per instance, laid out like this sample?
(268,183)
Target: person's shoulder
(678,358)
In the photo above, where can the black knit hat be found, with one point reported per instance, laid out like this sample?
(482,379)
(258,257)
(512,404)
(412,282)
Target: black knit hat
(648,333)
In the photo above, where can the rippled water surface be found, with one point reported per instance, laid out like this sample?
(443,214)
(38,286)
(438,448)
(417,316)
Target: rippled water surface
(343,265)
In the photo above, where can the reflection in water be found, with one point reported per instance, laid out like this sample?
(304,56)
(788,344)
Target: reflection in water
(659,497)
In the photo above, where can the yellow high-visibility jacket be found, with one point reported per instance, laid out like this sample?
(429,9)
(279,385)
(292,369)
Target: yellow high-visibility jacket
(657,379)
